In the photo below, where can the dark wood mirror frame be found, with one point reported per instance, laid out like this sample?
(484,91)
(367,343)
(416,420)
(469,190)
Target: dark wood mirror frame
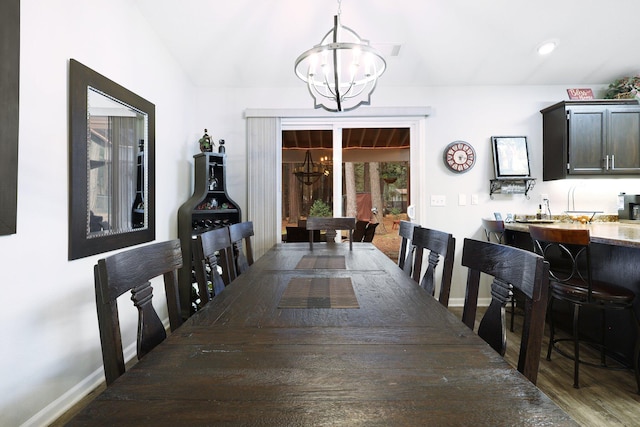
(80,245)
(9,113)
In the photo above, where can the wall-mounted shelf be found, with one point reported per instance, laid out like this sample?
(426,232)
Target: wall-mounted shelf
(512,186)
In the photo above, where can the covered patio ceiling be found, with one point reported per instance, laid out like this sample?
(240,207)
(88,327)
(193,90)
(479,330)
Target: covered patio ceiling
(359,144)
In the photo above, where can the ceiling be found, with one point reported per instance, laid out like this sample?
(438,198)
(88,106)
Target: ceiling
(254,43)
(370,138)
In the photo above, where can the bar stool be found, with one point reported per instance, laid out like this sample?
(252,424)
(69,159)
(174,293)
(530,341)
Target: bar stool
(569,255)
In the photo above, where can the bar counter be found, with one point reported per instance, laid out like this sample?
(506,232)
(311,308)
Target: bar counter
(615,256)
(606,233)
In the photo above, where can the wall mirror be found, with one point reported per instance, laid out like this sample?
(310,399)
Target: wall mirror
(9,108)
(111,162)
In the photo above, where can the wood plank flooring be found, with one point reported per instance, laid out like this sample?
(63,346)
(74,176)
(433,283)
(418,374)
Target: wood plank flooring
(605,397)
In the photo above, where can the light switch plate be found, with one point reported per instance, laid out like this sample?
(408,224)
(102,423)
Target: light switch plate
(438,200)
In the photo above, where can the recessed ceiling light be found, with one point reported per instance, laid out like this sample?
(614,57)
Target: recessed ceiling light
(547,47)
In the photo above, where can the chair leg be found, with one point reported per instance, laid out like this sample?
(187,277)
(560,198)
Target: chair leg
(576,346)
(513,310)
(552,330)
(636,352)
(603,356)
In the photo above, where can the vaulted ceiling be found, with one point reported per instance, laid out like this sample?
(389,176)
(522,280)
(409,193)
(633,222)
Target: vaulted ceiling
(254,43)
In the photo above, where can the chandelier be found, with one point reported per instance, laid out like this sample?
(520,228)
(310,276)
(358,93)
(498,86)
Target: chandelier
(342,71)
(308,173)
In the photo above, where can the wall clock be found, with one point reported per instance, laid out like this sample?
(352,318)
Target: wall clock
(459,156)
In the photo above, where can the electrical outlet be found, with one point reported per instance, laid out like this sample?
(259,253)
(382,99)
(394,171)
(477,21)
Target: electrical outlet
(438,200)
(462,199)
(474,199)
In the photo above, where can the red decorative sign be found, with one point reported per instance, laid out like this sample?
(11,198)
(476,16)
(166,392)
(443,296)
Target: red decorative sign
(580,93)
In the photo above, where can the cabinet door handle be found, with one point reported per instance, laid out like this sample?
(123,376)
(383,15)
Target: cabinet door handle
(606,162)
(613,161)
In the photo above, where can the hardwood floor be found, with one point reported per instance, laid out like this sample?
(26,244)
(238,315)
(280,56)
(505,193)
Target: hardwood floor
(605,397)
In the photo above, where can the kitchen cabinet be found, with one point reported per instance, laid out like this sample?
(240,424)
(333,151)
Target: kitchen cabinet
(591,138)
(209,207)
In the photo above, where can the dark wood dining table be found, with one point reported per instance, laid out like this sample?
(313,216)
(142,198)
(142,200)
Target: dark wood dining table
(322,337)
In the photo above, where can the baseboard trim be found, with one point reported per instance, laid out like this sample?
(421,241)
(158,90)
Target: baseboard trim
(75,394)
(459,302)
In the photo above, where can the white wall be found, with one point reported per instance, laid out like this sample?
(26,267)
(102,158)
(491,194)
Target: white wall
(472,114)
(50,352)
(51,349)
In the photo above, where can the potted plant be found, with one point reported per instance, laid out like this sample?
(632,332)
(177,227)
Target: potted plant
(389,173)
(320,208)
(624,88)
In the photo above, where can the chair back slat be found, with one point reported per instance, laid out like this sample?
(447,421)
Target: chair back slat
(333,224)
(213,248)
(407,249)
(440,245)
(132,270)
(240,235)
(509,266)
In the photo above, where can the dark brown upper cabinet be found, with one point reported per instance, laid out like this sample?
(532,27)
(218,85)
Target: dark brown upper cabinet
(591,138)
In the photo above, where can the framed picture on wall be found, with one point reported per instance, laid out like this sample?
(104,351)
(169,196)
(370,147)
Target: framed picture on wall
(510,157)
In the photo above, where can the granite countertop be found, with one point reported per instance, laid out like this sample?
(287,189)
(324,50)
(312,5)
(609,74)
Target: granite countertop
(604,232)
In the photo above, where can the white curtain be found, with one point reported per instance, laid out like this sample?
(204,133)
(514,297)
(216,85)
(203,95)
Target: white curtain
(263,164)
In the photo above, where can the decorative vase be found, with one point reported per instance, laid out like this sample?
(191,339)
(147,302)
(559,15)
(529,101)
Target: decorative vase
(206,146)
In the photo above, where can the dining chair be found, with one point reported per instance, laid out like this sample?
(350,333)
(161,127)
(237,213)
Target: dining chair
(509,266)
(240,235)
(494,232)
(296,234)
(212,249)
(331,224)
(440,245)
(132,270)
(358,232)
(568,252)
(370,232)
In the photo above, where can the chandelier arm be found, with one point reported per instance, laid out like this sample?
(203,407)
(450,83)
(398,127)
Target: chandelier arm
(361,76)
(336,76)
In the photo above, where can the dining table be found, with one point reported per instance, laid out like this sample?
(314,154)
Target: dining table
(328,336)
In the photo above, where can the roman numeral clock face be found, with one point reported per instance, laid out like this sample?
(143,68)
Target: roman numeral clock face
(459,156)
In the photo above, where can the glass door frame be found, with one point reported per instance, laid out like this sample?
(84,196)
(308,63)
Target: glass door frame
(336,125)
